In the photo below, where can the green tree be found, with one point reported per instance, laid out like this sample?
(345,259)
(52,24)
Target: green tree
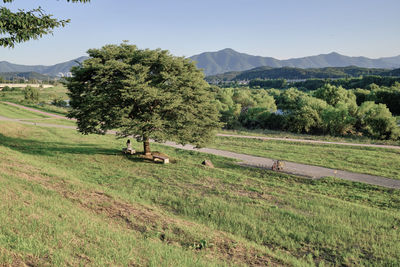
(338,120)
(302,112)
(333,95)
(31,94)
(21,26)
(146,93)
(289,99)
(376,121)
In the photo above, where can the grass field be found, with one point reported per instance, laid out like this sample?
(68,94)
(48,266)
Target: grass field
(329,138)
(18,113)
(13,112)
(69,199)
(54,121)
(46,96)
(370,160)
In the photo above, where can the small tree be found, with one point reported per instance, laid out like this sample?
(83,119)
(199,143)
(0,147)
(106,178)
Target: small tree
(338,120)
(31,94)
(375,120)
(146,93)
(334,95)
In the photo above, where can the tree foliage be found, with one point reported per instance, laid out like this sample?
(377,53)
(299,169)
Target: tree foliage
(145,93)
(334,95)
(21,26)
(31,94)
(375,120)
(335,111)
(242,106)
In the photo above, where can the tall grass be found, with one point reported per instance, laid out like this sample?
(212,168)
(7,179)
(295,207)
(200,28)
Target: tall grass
(93,205)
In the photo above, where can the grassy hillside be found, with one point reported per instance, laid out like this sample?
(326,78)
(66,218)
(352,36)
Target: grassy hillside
(69,199)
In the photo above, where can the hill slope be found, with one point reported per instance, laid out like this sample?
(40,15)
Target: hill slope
(53,70)
(27,75)
(291,73)
(229,60)
(72,199)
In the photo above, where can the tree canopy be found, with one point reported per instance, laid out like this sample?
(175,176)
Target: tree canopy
(22,26)
(146,93)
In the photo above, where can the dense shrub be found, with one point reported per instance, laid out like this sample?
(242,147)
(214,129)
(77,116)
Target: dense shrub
(59,102)
(334,95)
(305,117)
(31,94)
(362,95)
(375,120)
(235,103)
(390,96)
(334,112)
(11,89)
(338,120)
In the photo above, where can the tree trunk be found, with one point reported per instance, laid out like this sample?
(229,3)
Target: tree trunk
(146,147)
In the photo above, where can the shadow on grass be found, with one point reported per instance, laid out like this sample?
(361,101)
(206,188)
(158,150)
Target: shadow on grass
(35,147)
(43,148)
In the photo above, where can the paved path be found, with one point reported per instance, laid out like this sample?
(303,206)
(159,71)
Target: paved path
(307,141)
(308,171)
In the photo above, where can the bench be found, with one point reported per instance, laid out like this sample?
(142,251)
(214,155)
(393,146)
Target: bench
(128,151)
(164,159)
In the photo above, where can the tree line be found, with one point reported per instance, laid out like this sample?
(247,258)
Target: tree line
(328,110)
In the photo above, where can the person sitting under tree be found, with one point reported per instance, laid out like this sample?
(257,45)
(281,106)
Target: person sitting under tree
(128,148)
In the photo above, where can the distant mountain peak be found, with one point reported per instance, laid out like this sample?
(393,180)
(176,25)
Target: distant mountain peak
(227,50)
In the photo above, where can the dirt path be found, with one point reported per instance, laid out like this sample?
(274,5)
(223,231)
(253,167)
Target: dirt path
(308,141)
(308,171)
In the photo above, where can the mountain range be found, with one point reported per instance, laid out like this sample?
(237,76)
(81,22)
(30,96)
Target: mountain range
(61,69)
(290,73)
(227,60)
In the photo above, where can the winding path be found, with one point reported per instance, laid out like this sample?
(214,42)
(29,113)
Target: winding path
(308,171)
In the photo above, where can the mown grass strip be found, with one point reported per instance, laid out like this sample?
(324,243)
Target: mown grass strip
(18,113)
(369,160)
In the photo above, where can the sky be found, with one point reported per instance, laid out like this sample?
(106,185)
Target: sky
(276,28)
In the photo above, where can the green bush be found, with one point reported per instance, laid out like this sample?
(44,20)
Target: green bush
(362,95)
(334,95)
(31,94)
(338,120)
(59,102)
(375,120)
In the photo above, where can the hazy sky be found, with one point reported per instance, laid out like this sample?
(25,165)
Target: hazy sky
(277,28)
